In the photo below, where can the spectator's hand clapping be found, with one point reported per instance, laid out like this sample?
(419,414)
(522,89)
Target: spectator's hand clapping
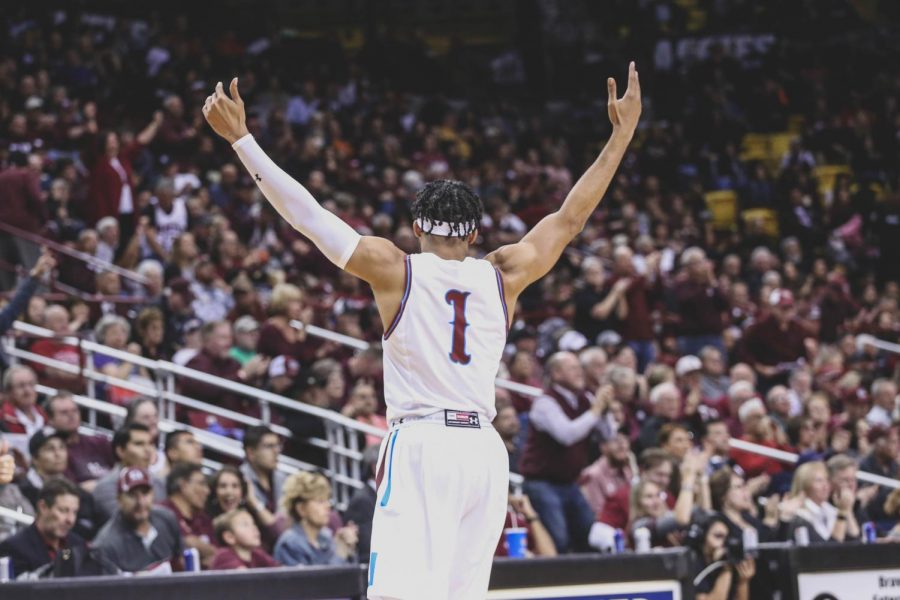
(7,463)
(346,539)
(844,499)
(788,507)
(603,399)
(866,494)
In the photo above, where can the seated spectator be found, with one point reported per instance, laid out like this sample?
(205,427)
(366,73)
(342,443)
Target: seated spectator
(713,381)
(214,359)
(882,460)
(726,581)
(733,499)
(149,334)
(653,465)
(824,521)
(884,403)
(277,337)
(842,471)
(520,513)
(307,501)
(675,439)
(182,447)
(39,544)
(246,337)
(262,448)
(557,450)
(362,406)
(49,458)
(759,429)
(611,472)
(20,412)
(891,509)
(239,538)
(312,390)
(648,508)
(665,400)
(361,508)
(146,412)
(230,492)
(114,331)
(133,447)
(715,441)
(140,536)
(508,426)
(56,319)
(11,496)
(90,456)
(699,303)
(188,491)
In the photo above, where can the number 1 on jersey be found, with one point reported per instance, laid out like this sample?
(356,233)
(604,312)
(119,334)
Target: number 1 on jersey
(458,299)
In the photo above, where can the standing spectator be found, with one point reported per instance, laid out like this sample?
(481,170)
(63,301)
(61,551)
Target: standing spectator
(609,473)
(594,361)
(20,412)
(307,501)
(699,304)
(824,521)
(278,336)
(188,491)
(262,448)
(884,403)
(637,325)
(133,447)
(56,319)
(713,381)
(23,208)
(212,298)
(557,450)
(23,300)
(241,540)
(48,462)
(51,532)
(775,344)
(167,215)
(139,536)
(90,457)
(598,307)
(361,509)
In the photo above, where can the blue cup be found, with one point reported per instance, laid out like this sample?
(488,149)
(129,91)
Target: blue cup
(516,541)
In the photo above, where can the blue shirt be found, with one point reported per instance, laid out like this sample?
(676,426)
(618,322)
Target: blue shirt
(294,548)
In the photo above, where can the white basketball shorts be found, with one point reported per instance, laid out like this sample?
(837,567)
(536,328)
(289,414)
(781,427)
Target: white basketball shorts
(440,509)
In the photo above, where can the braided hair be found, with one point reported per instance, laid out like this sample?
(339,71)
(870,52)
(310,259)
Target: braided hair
(452,202)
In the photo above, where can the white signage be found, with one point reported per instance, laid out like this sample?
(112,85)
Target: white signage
(634,590)
(875,584)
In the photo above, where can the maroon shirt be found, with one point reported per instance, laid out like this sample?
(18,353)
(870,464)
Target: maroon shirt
(638,325)
(545,458)
(199,525)
(227,559)
(272,343)
(768,344)
(90,457)
(22,205)
(226,368)
(700,308)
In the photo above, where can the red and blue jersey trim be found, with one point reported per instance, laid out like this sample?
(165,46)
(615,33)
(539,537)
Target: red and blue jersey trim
(502,297)
(399,314)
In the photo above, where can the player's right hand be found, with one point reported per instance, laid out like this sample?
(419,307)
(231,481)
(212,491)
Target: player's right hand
(226,115)
(624,112)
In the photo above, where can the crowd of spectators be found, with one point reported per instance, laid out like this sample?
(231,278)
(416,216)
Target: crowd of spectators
(657,338)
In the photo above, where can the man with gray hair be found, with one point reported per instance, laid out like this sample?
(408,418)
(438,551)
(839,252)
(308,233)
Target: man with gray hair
(665,400)
(558,449)
(20,414)
(593,361)
(884,403)
(109,237)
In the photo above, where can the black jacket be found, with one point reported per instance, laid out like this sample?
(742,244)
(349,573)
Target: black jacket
(29,552)
(361,510)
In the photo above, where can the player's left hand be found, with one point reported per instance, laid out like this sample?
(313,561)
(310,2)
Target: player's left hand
(226,115)
(625,112)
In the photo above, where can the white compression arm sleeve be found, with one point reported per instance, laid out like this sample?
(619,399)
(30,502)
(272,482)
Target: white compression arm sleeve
(327,231)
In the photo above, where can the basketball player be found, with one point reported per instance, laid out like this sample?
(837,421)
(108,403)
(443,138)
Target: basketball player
(443,471)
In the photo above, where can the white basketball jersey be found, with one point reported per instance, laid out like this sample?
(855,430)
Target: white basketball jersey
(443,349)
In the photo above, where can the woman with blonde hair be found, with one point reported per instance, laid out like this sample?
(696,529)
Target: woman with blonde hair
(824,521)
(306,500)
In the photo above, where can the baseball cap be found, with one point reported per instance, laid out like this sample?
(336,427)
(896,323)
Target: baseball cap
(131,478)
(41,437)
(781,298)
(246,324)
(309,379)
(687,364)
(283,366)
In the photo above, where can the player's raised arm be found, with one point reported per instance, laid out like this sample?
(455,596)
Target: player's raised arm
(530,259)
(373,259)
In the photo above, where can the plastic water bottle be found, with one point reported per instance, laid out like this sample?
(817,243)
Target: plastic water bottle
(619,541)
(801,536)
(869,534)
(641,540)
(6,570)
